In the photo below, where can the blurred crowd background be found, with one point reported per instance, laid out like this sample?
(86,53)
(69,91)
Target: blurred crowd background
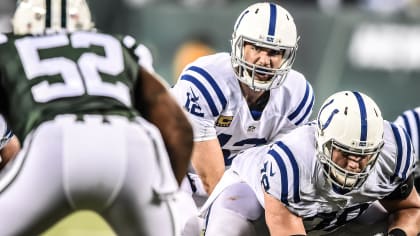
(367,45)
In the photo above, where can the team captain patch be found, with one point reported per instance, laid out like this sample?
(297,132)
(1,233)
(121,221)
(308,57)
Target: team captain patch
(224,121)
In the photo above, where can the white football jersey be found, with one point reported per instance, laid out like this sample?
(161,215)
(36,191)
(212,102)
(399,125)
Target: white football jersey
(5,133)
(291,172)
(410,121)
(209,90)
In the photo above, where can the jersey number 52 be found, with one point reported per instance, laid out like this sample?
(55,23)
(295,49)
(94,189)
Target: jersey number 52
(79,77)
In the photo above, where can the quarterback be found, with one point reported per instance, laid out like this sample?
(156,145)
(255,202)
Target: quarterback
(321,176)
(247,97)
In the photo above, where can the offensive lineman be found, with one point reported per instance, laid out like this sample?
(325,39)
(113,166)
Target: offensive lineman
(247,97)
(321,176)
(410,121)
(77,98)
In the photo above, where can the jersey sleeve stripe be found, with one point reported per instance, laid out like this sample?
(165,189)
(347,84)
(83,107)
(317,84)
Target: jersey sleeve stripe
(212,82)
(283,174)
(398,171)
(415,139)
(203,90)
(307,112)
(399,154)
(406,124)
(295,169)
(408,155)
(302,103)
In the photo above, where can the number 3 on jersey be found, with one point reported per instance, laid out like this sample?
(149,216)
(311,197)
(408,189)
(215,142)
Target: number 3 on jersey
(81,77)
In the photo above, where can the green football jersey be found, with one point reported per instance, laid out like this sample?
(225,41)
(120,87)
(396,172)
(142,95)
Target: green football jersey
(77,73)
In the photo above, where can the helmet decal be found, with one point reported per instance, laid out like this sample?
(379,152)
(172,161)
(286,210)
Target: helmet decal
(321,127)
(240,19)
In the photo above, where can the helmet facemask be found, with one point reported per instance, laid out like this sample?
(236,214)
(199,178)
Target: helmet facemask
(341,177)
(246,71)
(269,26)
(350,128)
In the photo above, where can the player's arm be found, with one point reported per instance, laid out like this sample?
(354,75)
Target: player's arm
(208,162)
(279,220)
(9,151)
(404,206)
(157,105)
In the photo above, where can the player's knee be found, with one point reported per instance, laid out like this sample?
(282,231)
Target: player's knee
(229,223)
(240,198)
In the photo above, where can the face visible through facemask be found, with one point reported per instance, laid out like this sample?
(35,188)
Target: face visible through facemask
(262,57)
(351,164)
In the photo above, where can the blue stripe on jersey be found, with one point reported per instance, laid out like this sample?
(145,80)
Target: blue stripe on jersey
(417,119)
(308,111)
(406,124)
(283,173)
(212,82)
(408,156)
(301,105)
(363,116)
(399,154)
(295,168)
(273,19)
(204,91)
(256,115)
(253,141)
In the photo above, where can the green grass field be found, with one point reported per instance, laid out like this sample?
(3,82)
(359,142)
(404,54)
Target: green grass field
(81,223)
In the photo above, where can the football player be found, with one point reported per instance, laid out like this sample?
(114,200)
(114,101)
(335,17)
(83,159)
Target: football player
(410,120)
(94,126)
(321,176)
(247,97)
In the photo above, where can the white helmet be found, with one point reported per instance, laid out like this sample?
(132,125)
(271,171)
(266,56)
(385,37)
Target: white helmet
(265,25)
(51,16)
(352,123)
